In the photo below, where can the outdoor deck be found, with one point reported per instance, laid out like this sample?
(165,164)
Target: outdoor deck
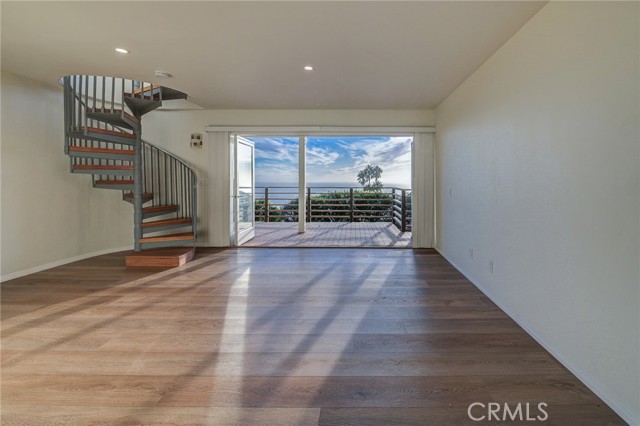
(330,234)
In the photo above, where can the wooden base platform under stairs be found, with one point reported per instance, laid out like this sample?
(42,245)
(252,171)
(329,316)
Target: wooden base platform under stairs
(170,256)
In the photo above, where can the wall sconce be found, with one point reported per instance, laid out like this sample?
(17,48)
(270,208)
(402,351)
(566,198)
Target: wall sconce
(196,140)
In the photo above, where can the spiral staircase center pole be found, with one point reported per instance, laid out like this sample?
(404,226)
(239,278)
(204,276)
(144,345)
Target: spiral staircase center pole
(137,189)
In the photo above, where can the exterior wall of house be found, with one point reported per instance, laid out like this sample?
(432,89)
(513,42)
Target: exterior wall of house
(48,215)
(172,130)
(537,159)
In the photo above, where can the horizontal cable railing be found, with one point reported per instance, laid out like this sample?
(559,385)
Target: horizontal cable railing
(276,204)
(335,204)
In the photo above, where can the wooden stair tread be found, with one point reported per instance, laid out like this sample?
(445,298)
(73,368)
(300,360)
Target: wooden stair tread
(183,236)
(101,150)
(109,132)
(153,209)
(102,167)
(165,222)
(114,182)
(171,257)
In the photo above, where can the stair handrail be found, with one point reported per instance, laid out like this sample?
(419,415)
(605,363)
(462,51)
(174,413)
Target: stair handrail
(191,198)
(170,154)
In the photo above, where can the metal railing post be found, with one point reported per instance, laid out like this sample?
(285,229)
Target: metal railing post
(86,100)
(137,189)
(309,204)
(393,203)
(404,210)
(68,97)
(266,204)
(351,206)
(194,207)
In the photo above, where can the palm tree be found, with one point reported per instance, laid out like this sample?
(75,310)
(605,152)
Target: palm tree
(369,177)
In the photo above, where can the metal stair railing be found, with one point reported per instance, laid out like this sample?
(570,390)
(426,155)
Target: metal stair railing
(99,93)
(77,103)
(171,179)
(100,112)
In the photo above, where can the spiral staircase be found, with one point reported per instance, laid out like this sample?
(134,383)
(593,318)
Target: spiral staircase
(103,138)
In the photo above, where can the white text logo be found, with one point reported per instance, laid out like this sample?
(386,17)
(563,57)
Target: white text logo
(479,411)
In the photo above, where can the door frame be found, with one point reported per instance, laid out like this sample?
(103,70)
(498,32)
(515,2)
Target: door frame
(423,178)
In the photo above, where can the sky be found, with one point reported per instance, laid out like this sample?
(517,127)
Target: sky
(333,159)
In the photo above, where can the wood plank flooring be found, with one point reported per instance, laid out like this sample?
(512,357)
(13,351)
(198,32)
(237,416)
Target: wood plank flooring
(329,234)
(272,337)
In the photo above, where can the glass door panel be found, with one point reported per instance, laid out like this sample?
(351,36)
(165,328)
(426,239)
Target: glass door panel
(244,190)
(245,186)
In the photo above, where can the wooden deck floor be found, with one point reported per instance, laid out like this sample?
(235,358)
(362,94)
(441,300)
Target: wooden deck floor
(272,337)
(330,234)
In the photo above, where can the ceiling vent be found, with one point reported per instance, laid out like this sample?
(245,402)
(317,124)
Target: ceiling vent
(162,74)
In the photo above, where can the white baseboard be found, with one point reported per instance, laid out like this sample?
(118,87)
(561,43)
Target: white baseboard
(602,391)
(60,262)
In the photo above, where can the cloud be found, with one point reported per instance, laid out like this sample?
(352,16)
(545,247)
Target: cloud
(331,159)
(321,156)
(282,149)
(392,153)
(276,171)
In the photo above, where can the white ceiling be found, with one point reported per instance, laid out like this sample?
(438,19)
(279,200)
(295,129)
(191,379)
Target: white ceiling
(250,55)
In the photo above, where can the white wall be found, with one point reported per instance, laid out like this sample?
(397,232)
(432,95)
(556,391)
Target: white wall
(49,216)
(538,171)
(172,129)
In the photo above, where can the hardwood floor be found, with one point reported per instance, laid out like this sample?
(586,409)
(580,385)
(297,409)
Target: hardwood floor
(272,337)
(329,234)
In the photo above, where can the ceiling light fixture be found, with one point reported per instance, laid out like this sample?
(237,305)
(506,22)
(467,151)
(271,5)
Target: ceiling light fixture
(162,74)
(121,50)
(308,68)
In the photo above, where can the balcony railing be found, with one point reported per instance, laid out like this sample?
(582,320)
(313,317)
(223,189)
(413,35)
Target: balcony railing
(335,204)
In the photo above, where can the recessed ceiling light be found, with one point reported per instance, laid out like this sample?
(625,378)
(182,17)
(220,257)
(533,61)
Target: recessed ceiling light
(121,50)
(308,68)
